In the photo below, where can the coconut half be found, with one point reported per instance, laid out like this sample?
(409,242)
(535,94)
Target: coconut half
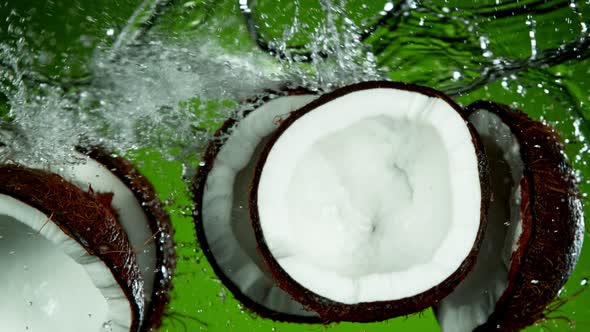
(143,218)
(535,227)
(117,185)
(67,264)
(222,218)
(368,203)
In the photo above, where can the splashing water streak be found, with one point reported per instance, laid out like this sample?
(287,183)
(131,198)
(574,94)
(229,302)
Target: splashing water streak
(138,98)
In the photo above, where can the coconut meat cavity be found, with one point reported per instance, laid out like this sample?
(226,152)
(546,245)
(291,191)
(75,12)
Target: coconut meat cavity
(372,196)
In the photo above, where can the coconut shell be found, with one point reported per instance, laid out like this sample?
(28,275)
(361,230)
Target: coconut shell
(160,226)
(198,188)
(85,218)
(333,311)
(552,218)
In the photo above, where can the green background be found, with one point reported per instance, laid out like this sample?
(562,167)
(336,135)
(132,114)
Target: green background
(427,45)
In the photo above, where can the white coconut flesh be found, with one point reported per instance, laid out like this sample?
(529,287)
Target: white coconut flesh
(474,300)
(225,215)
(373,196)
(88,173)
(49,281)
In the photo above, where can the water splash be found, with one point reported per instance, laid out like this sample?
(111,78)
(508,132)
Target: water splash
(150,97)
(334,56)
(155,95)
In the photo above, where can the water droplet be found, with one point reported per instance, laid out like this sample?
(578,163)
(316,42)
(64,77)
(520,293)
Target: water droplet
(107,326)
(584,282)
(192,4)
(110,32)
(534,281)
(202,163)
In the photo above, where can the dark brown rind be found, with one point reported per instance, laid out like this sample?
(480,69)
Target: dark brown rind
(83,218)
(198,189)
(160,225)
(552,210)
(332,311)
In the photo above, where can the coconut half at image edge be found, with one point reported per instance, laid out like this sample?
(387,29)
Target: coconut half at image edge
(369,202)
(139,220)
(147,225)
(67,258)
(222,219)
(535,227)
